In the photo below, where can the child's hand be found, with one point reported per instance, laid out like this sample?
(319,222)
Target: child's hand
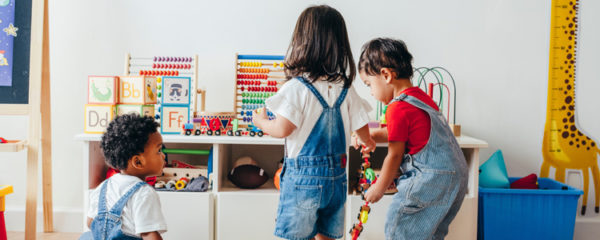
(368,145)
(259,116)
(374,193)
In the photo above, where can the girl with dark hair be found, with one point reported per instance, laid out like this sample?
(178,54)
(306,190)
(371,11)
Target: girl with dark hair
(316,110)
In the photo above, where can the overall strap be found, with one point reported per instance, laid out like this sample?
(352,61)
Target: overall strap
(102,198)
(118,207)
(314,91)
(341,98)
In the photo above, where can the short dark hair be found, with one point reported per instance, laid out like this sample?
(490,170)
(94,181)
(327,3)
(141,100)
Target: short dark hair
(320,47)
(125,137)
(386,53)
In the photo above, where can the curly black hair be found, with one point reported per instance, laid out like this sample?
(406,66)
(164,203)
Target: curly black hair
(125,137)
(386,53)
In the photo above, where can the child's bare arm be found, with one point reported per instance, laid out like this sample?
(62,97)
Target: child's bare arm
(151,236)
(279,127)
(388,171)
(380,135)
(89,222)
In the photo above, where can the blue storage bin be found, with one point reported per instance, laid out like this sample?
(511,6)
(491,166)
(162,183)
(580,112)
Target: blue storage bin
(545,213)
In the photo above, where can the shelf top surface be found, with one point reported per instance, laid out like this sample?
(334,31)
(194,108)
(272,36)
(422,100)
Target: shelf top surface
(463,141)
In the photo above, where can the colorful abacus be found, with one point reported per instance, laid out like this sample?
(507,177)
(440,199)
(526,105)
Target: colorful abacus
(258,77)
(165,66)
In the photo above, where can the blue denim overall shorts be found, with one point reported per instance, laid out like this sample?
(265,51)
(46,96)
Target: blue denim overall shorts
(433,185)
(107,224)
(313,185)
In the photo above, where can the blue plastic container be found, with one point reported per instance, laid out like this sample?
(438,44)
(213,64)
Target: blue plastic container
(545,213)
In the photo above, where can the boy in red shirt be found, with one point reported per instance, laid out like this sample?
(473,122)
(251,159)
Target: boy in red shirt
(434,180)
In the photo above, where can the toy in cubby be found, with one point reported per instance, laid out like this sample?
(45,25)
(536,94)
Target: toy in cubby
(258,77)
(137,90)
(103,90)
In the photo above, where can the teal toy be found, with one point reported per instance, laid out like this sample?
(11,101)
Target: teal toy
(492,173)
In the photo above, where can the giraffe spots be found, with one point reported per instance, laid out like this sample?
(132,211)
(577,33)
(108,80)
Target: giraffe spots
(568,113)
(565,92)
(564,120)
(567,71)
(579,133)
(570,47)
(566,81)
(572,119)
(568,87)
(573,128)
(569,56)
(588,138)
(563,108)
(572,32)
(572,135)
(593,144)
(576,139)
(565,134)
(566,126)
(588,148)
(565,31)
(583,142)
(572,107)
(577,145)
(571,143)
(570,38)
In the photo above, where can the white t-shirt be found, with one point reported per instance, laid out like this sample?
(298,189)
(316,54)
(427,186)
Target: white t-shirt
(295,102)
(141,214)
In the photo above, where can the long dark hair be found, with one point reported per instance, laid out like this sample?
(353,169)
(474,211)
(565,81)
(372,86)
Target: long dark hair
(320,47)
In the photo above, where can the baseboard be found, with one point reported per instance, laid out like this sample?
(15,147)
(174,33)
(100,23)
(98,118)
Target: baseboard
(587,229)
(65,220)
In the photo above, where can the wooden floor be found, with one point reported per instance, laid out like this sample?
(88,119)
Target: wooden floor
(44,236)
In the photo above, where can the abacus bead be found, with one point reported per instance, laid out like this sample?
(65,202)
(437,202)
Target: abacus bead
(154,60)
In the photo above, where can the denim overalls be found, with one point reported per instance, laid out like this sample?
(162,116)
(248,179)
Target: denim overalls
(433,184)
(313,185)
(107,224)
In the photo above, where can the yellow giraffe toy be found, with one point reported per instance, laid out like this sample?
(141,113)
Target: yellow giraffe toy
(565,146)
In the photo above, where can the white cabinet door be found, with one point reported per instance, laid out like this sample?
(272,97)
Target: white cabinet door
(189,215)
(246,215)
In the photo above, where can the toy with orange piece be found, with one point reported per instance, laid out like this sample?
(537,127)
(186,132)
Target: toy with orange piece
(367,178)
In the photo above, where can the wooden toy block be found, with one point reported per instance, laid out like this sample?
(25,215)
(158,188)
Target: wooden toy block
(455,129)
(97,117)
(143,110)
(172,118)
(103,90)
(137,90)
(176,91)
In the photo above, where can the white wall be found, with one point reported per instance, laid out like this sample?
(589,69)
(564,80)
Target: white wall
(496,49)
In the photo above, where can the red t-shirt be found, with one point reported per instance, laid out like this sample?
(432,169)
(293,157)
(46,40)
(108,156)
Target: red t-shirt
(407,123)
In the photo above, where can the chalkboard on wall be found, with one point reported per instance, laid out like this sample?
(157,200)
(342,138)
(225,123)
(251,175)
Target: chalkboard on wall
(15,90)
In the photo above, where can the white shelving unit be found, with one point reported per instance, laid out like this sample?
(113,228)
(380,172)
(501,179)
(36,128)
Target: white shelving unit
(227,212)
